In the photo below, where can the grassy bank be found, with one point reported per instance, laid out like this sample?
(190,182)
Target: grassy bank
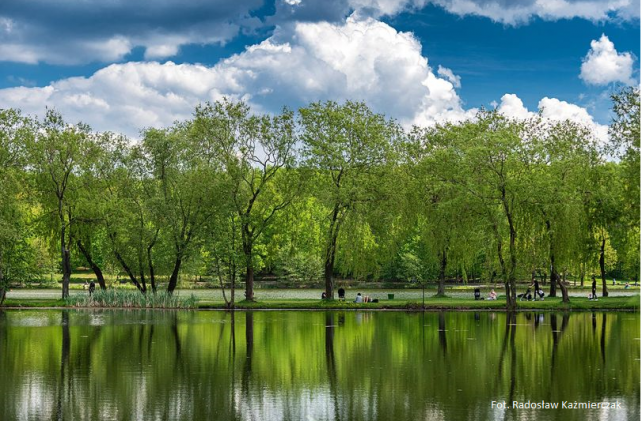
(432,303)
(441,303)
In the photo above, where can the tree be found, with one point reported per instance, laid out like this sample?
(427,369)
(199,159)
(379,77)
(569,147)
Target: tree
(560,161)
(15,131)
(184,188)
(448,219)
(55,153)
(88,232)
(255,153)
(349,148)
(624,135)
(491,156)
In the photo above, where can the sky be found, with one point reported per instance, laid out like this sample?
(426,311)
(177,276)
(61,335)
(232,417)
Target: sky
(126,65)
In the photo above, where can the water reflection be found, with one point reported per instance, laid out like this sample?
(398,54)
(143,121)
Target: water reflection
(314,365)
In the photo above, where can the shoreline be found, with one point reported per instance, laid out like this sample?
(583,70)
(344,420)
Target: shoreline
(617,303)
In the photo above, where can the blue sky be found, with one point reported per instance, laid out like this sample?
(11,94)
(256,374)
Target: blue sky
(124,65)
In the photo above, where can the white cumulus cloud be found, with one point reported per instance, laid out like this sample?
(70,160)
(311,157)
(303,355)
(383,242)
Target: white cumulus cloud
(553,109)
(360,59)
(512,106)
(603,64)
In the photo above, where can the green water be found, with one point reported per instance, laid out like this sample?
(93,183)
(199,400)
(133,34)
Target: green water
(154,365)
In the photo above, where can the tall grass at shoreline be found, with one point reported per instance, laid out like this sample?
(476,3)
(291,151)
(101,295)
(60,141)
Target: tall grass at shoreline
(115,298)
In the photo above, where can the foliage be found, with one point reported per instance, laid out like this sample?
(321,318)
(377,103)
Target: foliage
(335,190)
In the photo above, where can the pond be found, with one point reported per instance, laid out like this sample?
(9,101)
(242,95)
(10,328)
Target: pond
(300,365)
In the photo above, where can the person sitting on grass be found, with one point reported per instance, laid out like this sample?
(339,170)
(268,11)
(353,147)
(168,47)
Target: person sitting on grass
(359,299)
(492,295)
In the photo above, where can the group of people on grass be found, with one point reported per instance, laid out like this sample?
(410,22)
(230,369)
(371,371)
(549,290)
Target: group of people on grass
(536,295)
(358,299)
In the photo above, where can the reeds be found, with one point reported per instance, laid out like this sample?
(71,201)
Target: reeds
(116,298)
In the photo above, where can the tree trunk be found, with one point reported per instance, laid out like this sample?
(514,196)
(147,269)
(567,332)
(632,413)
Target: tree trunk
(555,278)
(232,281)
(128,271)
(551,256)
(441,287)
(66,261)
(565,298)
(150,262)
(511,296)
(511,300)
(66,271)
(330,253)
(553,288)
(248,247)
(94,267)
(582,273)
(173,279)
(605,292)
(502,264)
(152,277)
(3,287)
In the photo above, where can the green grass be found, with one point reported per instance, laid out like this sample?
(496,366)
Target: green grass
(438,303)
(133,299)
(19,303)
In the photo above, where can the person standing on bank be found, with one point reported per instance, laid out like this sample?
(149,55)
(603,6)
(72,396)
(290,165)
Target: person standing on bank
(92,287)
(593,289)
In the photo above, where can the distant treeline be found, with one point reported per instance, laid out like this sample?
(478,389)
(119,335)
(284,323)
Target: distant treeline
(333,190)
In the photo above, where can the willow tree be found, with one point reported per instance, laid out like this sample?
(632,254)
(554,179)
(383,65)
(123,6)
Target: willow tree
(255,154)
(493,178)
(349,148)
(624,136)
(55,153)
(95,188)
(183,187)
(15,131)
(449,219)
(561,157)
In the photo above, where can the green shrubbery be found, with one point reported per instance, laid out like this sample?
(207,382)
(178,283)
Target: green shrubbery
(131,299)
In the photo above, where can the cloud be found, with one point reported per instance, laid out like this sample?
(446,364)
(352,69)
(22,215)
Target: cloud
(552,109)
(510,12)
(360,59)
(512,106)
(79,32)
(450,76)
(603,64)
(73,32)
(514,12)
